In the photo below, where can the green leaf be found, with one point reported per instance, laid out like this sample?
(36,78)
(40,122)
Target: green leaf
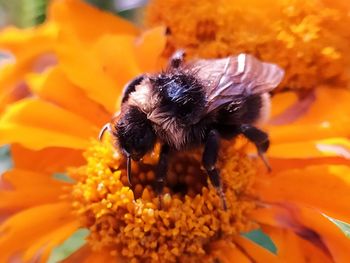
(33,12)
(5,159)
(344,227)
(25,13)
(63,178)
(106,5)
(259,237)
(68,247)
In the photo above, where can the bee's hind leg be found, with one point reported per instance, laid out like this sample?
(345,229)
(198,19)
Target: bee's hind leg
(210,156)
(161,171)
(260,139)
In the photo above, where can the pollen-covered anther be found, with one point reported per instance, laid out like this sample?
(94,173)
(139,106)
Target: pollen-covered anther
(139,225)
(309,35)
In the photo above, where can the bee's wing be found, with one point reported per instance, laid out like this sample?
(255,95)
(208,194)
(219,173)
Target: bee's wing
(236,76)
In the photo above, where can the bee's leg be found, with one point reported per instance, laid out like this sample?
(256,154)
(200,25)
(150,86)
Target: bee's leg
(162,169)
(260,139)
(177,58)
(210,156)
(130,87)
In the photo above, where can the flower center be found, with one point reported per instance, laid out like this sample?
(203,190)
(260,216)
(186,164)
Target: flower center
(129,220)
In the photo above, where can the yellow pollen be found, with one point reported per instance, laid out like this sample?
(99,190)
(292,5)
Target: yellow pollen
(131,222)
(311,36)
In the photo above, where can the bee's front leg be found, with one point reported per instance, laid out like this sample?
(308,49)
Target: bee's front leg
(210,156)
(260,139)
(162,169)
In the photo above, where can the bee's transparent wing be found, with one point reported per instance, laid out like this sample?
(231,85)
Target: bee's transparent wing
(236,76)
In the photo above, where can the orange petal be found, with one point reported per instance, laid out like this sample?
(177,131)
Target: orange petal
(11,93)
(86,255)
(41,188)
(102,256)
(328,116)
(281,102)
(294,111)
(21,230)
(326,188)
(74,18)
(225,251)
(292,248)
(291,150)
(309,224)
(48,160)
(282,164)
(37,124)
(332,236)
(331,105)
(79,255)
(311,149)
(53,86)
(149,47)
(308,132)
(109,64)
(48,241)
(255,251)
(40,39)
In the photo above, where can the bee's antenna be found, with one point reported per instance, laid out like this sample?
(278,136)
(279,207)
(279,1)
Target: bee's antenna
(106,127)
(128,168)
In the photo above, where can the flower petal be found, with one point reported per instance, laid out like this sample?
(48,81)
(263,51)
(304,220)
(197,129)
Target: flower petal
(72,16)
(102,256)
(311,149)
(281,102)
(43,246)
(37,124)
(9,93)
(256,252)
(79,255)
(309,224)
(283,164)
(53,86)
(292,248)
(86,255)
(109,63)
(323,187)
(30,225)
(149,47)
(39,56)
(40,39)
(48,160)
(335,240)
(225,251)
(41,188)
(328,116)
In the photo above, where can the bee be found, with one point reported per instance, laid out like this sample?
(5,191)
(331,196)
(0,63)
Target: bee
(195,104)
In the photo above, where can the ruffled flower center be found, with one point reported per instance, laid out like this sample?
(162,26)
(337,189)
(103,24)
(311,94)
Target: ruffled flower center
(129,220)
(309,35)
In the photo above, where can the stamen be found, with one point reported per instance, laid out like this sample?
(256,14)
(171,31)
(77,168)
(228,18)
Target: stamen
(129,219)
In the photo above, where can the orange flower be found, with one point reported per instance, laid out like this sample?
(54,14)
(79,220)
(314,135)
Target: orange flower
(306,38)
(74,97)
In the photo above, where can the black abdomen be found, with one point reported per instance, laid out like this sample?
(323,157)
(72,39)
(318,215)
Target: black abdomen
(243,110)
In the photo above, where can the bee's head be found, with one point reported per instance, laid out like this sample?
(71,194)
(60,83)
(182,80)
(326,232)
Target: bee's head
(134,133)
